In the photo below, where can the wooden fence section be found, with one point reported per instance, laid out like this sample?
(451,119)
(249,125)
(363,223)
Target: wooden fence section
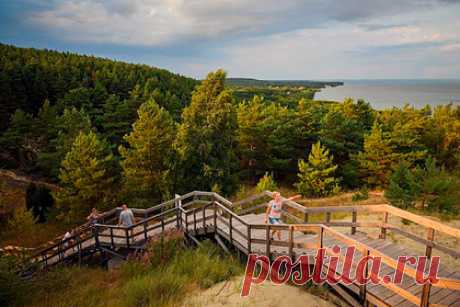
(206,213)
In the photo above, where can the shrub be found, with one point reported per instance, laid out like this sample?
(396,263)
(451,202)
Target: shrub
(39,200)
(11,285)
(22,221)
(431,186)
(438,189)
(362,194)
(266,183)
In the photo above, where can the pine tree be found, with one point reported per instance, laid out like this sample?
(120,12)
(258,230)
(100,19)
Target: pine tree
(267,137)
(403,188)
(67,127)
(115,120)
(86,177)
(438,189)
(147,159)
(46,120)
(15,138)
(266,183)
(206,139)
(316,176)
(377,159)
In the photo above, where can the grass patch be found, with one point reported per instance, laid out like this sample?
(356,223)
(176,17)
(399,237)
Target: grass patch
(163,278)
(173,270)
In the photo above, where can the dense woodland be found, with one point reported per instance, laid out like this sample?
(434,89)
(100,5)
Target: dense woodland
(107,131)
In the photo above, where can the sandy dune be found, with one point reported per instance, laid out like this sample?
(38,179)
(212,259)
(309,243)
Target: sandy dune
(264,295)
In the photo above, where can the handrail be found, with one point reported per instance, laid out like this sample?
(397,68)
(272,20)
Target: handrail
(383,208)
(231,213)
(139,222)
(249,199)
(226,217)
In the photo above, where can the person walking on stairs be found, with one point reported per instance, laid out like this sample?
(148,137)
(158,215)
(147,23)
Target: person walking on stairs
(274,210)
(126,218)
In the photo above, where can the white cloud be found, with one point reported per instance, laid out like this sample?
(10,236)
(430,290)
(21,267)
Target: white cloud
(157,22)
(266,39)
(162,22)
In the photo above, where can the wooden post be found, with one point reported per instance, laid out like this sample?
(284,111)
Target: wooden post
(59,252)
(267,239)
(96,236)
(79,249)
(305,217)
(194,220)
(127,237)
(320,237)
(145,231)
(291,242)
(328,217)
(186,222)
(177,204)
(112,243)
(363,288)
(231,229)
(45,259)
(215,216)
(353,220)
(249,238)
(162,224)
(204,218)
(425,299)
(383,230)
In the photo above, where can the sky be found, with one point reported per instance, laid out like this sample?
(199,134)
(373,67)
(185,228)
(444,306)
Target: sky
(269,39)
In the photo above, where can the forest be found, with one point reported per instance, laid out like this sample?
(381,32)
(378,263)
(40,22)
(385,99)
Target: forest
(106,132)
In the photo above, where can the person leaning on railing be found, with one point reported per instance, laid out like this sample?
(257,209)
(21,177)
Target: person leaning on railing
(93,217)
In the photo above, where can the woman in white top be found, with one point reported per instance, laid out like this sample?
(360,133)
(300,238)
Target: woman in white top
(273,213)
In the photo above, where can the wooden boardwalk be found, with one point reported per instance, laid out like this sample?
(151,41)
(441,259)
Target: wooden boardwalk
(241,226)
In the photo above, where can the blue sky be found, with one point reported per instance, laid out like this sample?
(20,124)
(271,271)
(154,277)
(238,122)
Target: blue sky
(270,39)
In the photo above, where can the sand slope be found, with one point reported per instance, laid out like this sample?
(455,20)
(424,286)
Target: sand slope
(266,295)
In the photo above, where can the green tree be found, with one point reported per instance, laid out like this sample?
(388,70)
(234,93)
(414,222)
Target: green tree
(46,120)
(206,138)
(427,187)
(443,135)
(86,177)
(377,159)
(267,137)
(266,183)
(439,190)
(147,158)
(316,176)
(403,188)
(115,120)
(16,139)
(67,127)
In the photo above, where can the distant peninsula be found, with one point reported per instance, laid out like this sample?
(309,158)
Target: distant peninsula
(293,83)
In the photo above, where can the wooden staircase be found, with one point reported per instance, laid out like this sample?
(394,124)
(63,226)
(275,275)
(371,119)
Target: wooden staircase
(240,226)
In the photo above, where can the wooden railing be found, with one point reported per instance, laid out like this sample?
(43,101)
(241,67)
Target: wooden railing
(191,212)
(300,214)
